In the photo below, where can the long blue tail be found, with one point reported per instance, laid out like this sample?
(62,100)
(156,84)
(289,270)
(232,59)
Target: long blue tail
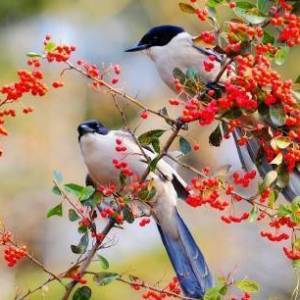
(187,260)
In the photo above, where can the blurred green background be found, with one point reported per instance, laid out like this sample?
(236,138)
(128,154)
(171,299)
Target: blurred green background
(47,140)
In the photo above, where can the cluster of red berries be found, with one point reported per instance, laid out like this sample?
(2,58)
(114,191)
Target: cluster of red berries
(292,158)
(173,287)
(99,236)
(107,190)
(264,195)
(117,72)
(77,277)
(13,254)
(282,221)
(194,111)
(6,237)
(109,212)
(242,141)
(205,191)
(275,237)
(290,28)
(27,110)
(3,114)
(85,222)
(209,63)
(60,53)
(262,49)
(144,222)
(123,166)
(119,146)
(208,37)
(293,254)
(29,82)
(244,30)
(235,219)
(202,14)
(236,96)
(245,296)
(91,71)
(244,180)
(34,62)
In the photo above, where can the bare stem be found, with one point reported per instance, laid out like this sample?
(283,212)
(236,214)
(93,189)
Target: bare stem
(89,259)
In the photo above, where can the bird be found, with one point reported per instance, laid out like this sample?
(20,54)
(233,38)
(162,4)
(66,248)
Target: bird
(171,47)
(98,149)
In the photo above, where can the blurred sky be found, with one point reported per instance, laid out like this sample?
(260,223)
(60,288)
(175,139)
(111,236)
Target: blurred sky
(47,140)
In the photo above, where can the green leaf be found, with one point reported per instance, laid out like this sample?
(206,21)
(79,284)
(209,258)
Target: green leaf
(215,137)
(104,278)
(282,142)
(178,74)
(74,189)
(73,215)
(55,211)
(262,6)
(214,3)
(268,38)
(244,5)
(284,210)
(216,292)
(253,214)
(103,262)
(128,215)
(50,46)
(247,285)
(281,55)
(277,115)
(33,54)
(57,176)
(153,163)
(283,177)
(81,192)
(82,293)
(147,137)
(56,191)
(187,8)
(87,192)
(269,179)
(277,159)
(185,146)
(82,246)
(272,198)
(296,264)
(122,179)
(156,146)
(298,79)
(248,12)
(147,193)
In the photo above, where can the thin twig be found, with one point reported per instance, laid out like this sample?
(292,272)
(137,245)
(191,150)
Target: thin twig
(120,93)
(89,259)
(152,288)
(30,292)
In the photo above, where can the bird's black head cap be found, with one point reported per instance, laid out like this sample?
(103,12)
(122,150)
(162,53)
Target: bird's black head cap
(92,126)
(157,36)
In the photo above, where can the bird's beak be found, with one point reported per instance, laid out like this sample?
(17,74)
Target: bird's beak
(83,129)
(138,48)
